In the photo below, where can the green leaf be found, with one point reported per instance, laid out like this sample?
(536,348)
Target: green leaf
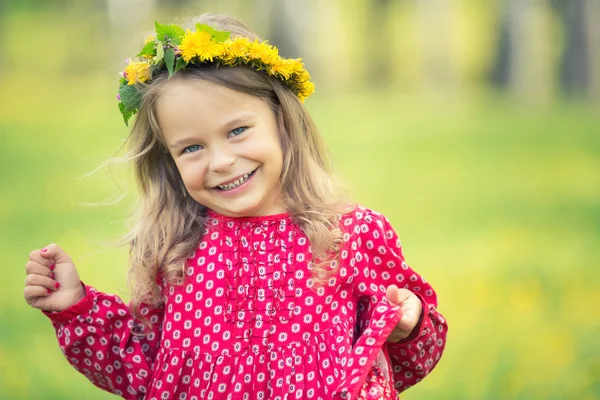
(170,60)
(205,28)
(127,114)
(180,64)
(221,36)
(130,97)
(218,36)
(172,32)
(149,49)
(160,53)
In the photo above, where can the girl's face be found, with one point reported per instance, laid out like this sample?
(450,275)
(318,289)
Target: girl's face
(226,146)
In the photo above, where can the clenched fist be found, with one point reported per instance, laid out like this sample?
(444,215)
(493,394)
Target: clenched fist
(52,282)
(410,309)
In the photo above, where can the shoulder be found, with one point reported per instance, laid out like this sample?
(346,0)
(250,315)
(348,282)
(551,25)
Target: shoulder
(369,237)
(362,217)
(362,223)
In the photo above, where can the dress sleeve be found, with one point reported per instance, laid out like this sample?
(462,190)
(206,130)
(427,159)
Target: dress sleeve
(377,261)
(96,336)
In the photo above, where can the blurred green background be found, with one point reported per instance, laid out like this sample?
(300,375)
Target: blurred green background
(472,124)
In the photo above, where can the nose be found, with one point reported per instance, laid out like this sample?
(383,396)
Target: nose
(221,159)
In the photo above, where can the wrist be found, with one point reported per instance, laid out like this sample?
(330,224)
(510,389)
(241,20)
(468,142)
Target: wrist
(80,295)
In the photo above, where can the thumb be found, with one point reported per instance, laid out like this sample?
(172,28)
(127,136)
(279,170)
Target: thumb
(56,254)
(395,295)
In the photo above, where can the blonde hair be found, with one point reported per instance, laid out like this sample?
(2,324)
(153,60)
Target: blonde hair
(170,223)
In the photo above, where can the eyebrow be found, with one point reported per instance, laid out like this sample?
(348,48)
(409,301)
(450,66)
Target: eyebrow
(228,125)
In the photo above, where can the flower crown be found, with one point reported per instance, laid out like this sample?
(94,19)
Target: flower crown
(174,49)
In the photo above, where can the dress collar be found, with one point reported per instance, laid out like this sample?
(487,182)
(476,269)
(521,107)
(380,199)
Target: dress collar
(251,219)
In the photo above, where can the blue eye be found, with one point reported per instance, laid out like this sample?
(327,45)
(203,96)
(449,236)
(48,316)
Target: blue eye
(191,149)
(238,131)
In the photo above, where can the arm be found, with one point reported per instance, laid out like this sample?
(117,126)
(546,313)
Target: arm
(96,337)
(379,263)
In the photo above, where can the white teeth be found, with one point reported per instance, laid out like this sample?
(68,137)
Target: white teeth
(234,184)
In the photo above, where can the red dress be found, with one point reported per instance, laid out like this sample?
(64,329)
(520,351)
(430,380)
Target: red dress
(249,322)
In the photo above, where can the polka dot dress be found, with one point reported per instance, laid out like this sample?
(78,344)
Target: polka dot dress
(249,322)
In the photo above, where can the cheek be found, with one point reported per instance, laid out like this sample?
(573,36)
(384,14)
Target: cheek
(274,152)
(192,176)
(278,157)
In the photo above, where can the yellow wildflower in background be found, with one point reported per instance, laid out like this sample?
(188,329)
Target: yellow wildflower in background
(200,44)
(137,72)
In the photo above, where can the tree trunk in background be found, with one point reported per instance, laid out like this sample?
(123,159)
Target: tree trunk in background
(522,65)
(376,53)
(499,76)
(593,29)
(580,22)
(286,22)
(439,72)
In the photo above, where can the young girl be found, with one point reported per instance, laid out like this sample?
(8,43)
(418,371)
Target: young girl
(253,278)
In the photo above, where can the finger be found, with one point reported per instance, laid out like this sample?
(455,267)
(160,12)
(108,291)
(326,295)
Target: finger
(36,256)
(54,252)
(33,267)
(33,292)
(397,296)
(41,280)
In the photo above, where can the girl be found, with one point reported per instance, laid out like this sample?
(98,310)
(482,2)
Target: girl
(252,277)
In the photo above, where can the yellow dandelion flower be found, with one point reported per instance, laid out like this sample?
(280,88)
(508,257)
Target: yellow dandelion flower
(137,72)
(282,67)
(296,65)
(308,88)
(236,48)
(201,45)
(303,76)
(149,39)
(269,54)
(305,89)
(262,52)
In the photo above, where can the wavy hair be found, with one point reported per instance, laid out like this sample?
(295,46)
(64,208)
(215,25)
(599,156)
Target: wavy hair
(169,223)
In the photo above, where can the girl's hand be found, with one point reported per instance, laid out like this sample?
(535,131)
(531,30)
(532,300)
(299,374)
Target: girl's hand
(410,309)
(52,282)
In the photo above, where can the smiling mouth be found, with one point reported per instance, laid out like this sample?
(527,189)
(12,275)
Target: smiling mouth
(240,181)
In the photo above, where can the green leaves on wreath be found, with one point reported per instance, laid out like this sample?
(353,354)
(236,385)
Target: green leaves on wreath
(218,36)
(173,32)
(127,114)
(160,53)
(131,100)
(180,64)
(149,49)
(170,60)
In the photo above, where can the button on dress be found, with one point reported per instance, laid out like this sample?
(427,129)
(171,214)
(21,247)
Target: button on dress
(251,322)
